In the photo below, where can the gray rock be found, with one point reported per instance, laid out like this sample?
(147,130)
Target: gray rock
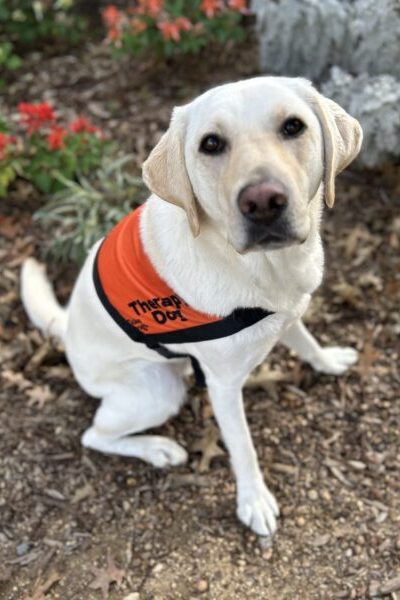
(375,102)
(301,37)
(22,549)
(307,37)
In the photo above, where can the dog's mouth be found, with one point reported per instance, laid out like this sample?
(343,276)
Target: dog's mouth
(271,239)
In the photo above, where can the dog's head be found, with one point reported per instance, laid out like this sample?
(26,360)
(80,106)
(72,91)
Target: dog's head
(251,156)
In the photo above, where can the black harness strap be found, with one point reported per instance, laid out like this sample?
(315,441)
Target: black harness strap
(239,319)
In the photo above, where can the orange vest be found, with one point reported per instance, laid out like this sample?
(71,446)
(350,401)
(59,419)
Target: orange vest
(144,305)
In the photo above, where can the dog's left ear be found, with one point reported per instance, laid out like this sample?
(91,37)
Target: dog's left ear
(342,140)
(165,173)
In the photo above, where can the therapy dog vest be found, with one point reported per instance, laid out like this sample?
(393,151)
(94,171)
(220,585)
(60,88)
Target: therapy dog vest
(144,305)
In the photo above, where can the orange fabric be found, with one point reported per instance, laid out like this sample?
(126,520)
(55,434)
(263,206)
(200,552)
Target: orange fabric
(135,289)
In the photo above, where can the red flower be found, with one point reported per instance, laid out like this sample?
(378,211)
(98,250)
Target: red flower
(34,116)
(81,124)
(150,7)
(55,139)
(111,16)
(239,5)
(210,7)
(113,19)
(171,30)
(5,140)
(114,34)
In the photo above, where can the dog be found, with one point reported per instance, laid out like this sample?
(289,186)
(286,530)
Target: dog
(230,235)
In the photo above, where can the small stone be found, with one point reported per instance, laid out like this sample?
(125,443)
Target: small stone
(158,568)
(325,495)
(313,495)
(397,543)
(202,585)
(22,549)
(133,596)
(300,521)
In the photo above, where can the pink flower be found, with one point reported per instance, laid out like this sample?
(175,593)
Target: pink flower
(55,139)
(34,116)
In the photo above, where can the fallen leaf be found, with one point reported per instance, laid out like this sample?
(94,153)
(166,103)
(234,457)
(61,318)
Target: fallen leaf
(59,372)
(370,279)
(41,589)
(9,297)
(265,377)
(81,493)
(39,356)
(207,445)
(12,378)
(366,360)
(9,228)
(106,576)
(39,395)
(348,294)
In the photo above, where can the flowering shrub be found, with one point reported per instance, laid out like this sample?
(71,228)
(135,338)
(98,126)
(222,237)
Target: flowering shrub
(47,153)
(168,27)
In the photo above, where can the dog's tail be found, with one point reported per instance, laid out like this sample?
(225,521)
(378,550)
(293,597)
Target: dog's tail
(40,302)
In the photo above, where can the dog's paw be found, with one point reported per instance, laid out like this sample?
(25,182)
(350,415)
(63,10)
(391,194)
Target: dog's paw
(166,453)
(258,509)
(335,360)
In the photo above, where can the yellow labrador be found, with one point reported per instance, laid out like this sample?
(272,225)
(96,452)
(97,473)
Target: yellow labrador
(232,225)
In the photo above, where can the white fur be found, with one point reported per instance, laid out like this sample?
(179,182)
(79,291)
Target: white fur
(137,387)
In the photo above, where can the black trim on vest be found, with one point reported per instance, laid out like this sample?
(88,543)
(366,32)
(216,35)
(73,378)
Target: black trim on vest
(239,319)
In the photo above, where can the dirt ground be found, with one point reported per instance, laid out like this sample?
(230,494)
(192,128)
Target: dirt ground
(75,524)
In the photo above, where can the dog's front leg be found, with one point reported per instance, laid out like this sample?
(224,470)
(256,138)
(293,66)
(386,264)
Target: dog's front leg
(333,360)
(256,506)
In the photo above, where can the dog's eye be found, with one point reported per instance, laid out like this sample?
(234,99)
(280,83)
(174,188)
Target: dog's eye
(292,127)
(212,144)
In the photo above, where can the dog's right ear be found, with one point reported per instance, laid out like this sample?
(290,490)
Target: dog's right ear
(165,173)
(342,136)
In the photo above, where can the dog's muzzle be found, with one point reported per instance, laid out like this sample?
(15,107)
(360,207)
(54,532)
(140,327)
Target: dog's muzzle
(264,208)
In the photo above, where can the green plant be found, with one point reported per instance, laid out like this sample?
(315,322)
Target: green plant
(86,209)
(24,22)
(46,149)
(168,27)
(9,163)
(8,60)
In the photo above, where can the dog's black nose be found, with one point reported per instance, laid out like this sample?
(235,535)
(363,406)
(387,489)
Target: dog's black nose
(262,202)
